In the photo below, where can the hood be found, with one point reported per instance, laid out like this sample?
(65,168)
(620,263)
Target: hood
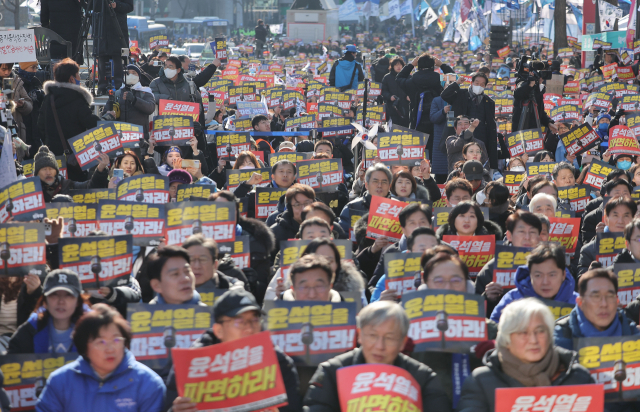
(565,294)
(349,278)
(61,89)
(226,263)
(333,296)
(259,231)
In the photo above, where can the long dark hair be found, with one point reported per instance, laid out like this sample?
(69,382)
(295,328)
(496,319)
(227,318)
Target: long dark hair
(10,288)
(316,243)
(44,315)
(461,209)
(406,175)
(118,161)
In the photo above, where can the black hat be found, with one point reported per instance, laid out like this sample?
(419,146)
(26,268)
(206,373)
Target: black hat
(44,158)
(234,302)
(62,279)
(472,170)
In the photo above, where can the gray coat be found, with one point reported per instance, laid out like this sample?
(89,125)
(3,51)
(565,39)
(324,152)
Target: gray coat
(138,110)
(164,88)
(455,144)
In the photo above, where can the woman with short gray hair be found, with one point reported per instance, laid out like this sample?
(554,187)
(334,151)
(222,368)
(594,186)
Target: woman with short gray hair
(525,356)
(374,315)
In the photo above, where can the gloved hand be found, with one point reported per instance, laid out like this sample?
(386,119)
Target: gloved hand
(131,98)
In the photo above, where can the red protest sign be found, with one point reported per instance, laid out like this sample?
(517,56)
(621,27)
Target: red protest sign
(565,231)
(608,70)
(243,374)
(624,73)
(572,87)
(362,386)
(312,107)
(504,52)
(586,398)
(475,251)
(170,107)
(623,141)
(442,202)
(383,218)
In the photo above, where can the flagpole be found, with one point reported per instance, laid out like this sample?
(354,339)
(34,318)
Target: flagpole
(413,27)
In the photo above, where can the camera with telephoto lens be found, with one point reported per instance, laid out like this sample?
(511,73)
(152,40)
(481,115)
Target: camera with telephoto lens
(532,70)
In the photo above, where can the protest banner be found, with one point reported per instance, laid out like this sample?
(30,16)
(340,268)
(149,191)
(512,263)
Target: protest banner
(23,249)
(238,250)
(513,180)
(79,219)
(219,46)
(251,109)
(475,251)
(572,87)
(18,46)
(360,387)
(292,250)
(155,328)
(241,94)
(145,221)
(311,332)
(577,195)
(402,269)
(242,125)
(633,122)
(628,275)
(290,156)
(525,141)
(176,108)
(214,220)
(307,121)
(291,99)
(541,168)
(237,176)
(624,73)
(600,356)
(507,260)
(406,149)
(600,100)
(28,169)
(209,293)
(130,134)
(584,398)
(374,90)
(623,141)
(442,202)
(267,200)
(565,113)
(579,140)
(184,192)
(335,200)
(172,130)
(445,321)
(328,110)
(557,308)
(383,218)
(144,188)
(375,115)
(92,195)
(608,246)
(323,175)
(98,260)
(230,144)
(441,215)
(609,70)
(241,375)
(22,200)
(87,146)
(630,103)
(565,231)
(504,106)
(25,375)
(598,171)
(159,40)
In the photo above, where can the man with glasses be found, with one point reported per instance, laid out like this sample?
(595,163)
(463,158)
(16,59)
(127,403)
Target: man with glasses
(237,315)
(171,277)
(312,280)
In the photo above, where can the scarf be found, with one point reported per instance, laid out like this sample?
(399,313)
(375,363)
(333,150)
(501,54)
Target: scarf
(588,330)
(530,374)
(475,98)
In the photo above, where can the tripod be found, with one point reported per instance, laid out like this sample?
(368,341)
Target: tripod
(526,108)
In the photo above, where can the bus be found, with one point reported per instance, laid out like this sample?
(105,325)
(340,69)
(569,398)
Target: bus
(208,26)
(140,30)
(214,26)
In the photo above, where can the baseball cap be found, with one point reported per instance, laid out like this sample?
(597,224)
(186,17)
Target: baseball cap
(62,279)
(233,303)
(286,146)
(472,170)
(351,48)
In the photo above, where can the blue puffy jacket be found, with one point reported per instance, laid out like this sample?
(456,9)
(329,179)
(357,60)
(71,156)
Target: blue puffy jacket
(524,289)
(75,387)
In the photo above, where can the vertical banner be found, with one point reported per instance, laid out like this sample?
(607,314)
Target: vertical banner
(220,48)
(214,220)
(26,249)
(475,251)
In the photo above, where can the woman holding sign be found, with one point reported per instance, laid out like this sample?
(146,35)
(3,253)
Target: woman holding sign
(525,356)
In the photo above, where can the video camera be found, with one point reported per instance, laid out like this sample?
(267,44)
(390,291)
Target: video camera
(532,70)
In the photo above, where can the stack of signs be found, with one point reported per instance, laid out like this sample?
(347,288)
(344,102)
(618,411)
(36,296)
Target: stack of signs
(600,355)
(145,221)
(290,156)
(541,168)
(155,328)
(130,134)
(628,275)
(25,373)
(237,176)
(445,321)
(383,218)
(186,192)
(26,249)
(240,375)
(98,260)
(28,169)
(579,140)
(214,220)
(311,332)
(475,251)
(565,231)
(79,219)
(513,180)
(608,246)
(598,171)
(92,195)
(584,398)
(172,130)
(22,200)
(565,114)
(399,148)
(230,144)
(89,145)
(323,175)
(402,269)
(623,141)
(360,386)
(578,196)
(507,261)
(144,188)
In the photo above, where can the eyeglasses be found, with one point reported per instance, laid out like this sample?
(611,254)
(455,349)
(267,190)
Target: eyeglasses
(201,260)
(317,289)
(372,339)
(453,282)
(242,323)
(103,344)
(608,297)
(301,205)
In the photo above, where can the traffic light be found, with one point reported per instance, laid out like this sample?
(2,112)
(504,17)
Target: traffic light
(499,38)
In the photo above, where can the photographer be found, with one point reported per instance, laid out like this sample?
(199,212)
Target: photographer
(262,32)
(524,89)
(135,102)
(111,35)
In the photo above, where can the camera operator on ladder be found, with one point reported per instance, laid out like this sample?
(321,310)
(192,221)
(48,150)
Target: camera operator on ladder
(530,79)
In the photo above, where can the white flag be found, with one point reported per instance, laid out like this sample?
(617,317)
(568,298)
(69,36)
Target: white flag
(7,164)
(608,15)
(430,17)
(394,9)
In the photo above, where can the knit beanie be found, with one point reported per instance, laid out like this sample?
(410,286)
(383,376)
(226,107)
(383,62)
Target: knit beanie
(179,175)
(26,65)
(44,158)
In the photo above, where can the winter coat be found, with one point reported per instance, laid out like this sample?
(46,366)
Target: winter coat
(5,402)
(261,244)
(479,389)
(74,112)
(32,337)
(485,276)
(401,111)
(589,222)
(75,387)
(99,180)
(587,255)
(287,368)
(108,37)
(524,289)
(521,94)
(322,395)
(487,132)
(65,18)
(342,71)
(230,274)
(18,113)
(138,111)
(195,300)
(33,87)
(361,203)
(438,117)
(284,229)
(455,144)
(379,70)
(421,193)
(488,228)
(180,90)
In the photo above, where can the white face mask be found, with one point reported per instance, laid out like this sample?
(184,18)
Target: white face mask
(132,79)
(477,89)
(170,73)
(541,87)
(517,169)
(247,167)
(481,197)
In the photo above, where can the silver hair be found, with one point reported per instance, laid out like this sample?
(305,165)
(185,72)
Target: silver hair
(381,311)
(378,167)
(541,197)
(517,316)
